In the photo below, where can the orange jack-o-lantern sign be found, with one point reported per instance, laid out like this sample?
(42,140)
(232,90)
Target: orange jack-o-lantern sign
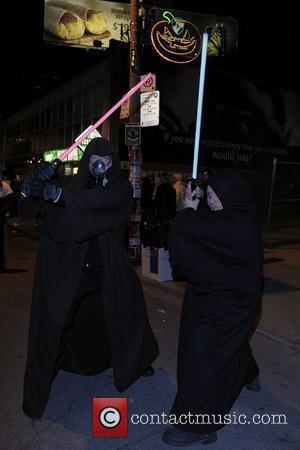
(176,40)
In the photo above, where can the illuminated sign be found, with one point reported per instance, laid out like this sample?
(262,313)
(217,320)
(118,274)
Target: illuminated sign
(50,155)
(175,39)
(177,36)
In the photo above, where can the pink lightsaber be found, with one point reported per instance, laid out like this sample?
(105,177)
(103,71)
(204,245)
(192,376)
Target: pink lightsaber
(105,116)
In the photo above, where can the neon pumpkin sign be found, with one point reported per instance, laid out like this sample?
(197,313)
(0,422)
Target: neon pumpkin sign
(176,40)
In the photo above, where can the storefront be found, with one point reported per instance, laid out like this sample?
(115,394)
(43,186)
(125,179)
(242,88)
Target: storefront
(71,161)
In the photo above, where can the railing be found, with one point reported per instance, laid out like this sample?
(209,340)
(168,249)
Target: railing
(273,200)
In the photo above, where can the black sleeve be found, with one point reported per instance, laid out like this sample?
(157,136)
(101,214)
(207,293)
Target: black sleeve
(101,198)
(29,208)
(95,211)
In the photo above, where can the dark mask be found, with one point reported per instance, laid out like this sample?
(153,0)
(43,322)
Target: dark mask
(98,165)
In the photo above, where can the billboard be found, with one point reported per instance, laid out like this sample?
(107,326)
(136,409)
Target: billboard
(246,122)
(176,36)
(86,23)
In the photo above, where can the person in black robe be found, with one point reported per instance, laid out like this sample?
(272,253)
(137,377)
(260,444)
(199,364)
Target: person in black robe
(219,251)
(88,308)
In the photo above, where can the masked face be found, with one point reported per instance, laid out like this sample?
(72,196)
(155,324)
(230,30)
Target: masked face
(98,165)
(213,200)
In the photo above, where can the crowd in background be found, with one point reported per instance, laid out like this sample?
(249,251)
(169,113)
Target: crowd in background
(163,194)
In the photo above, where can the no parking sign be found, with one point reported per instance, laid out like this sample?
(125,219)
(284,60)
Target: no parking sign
(149,85)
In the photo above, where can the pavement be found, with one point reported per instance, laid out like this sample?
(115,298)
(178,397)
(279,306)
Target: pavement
(67,422)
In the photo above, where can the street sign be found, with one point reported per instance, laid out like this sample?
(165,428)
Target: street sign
(132,134)
(149,85)
(149,109)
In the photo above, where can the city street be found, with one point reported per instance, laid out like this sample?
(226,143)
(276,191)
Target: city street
(67,422)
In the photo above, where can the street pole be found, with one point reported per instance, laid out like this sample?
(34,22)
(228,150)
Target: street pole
(134,151)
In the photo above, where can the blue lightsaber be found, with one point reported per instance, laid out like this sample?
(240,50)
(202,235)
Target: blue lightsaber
(200,103)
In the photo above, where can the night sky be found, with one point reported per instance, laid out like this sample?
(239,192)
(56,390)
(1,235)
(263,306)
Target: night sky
(268,48)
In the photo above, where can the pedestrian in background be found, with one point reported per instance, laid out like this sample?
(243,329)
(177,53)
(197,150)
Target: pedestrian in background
(180,189)
(7,202)
(204,178)
(165,199)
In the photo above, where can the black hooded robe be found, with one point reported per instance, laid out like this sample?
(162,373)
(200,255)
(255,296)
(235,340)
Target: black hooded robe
(220,254)
(107,324)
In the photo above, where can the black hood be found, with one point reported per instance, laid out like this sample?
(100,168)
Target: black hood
(233,192)
(97,146)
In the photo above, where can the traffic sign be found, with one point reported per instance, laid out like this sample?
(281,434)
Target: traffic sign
(150,84)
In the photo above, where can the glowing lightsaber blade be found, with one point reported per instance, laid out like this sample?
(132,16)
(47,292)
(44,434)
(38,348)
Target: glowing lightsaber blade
(105,116)
(200,103)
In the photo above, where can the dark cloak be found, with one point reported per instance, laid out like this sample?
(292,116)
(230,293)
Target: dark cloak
(110,325)
(220,254)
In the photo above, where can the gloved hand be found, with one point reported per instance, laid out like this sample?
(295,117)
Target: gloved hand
(47,170)
(25,187)
(193,193)
(192,196)
(43,189)
(44,171)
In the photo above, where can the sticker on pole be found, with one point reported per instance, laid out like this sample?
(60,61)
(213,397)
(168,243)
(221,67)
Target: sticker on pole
(150,109)
(132,134)
(125,109)
(149,85)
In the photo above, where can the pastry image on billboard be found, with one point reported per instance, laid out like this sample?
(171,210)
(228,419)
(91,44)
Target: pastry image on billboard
(62,23)
(86,23)
(94,21)
(75,22)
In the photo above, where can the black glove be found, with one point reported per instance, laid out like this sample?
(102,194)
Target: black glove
(25,186)
(43,189)
(44,171)
(47,170)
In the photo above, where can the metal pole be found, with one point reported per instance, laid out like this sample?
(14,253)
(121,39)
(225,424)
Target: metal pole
(272,190)
(134,151)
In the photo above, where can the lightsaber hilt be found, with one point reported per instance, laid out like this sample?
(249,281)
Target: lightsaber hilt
(193,182)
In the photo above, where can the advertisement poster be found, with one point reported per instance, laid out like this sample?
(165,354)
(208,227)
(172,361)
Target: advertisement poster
(176,36)
(245,122)
(86,23)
